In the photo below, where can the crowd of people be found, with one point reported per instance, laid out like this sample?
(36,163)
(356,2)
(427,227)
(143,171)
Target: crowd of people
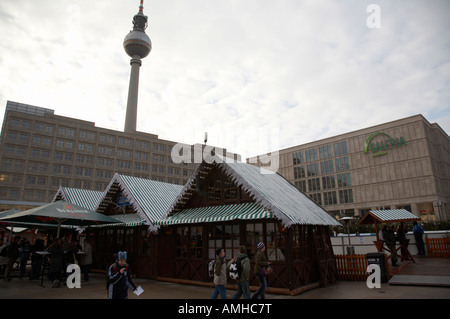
(59,253)
(262,269)
(390,237)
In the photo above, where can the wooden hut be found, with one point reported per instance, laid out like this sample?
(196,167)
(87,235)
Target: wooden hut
(138,203)
(226,204)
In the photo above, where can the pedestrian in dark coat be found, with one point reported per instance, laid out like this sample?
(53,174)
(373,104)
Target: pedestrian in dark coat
(261,263)
(119,278)
(36,259)
(12,253)
(57,262)
(418,235)
(390,240)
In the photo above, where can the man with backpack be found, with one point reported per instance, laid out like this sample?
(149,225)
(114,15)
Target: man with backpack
(240,269)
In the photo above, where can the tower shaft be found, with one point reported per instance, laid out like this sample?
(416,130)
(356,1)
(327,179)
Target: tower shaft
(131,115)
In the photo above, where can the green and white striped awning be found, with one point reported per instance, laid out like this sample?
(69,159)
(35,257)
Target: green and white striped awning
(210,214)
(127,220)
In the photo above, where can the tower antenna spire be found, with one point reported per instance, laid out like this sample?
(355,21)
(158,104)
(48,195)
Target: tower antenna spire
(141,6)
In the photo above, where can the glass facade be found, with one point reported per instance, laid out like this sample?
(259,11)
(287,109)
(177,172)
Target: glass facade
(325,179)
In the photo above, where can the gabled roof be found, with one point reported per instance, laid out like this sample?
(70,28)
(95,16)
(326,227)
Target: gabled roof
(82,197)
(150,199)
(388,216)
(270,190)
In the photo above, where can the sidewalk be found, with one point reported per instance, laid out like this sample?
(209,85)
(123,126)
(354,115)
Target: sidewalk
(96,289)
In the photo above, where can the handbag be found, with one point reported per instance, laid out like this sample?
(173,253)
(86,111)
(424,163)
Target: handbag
(266,270)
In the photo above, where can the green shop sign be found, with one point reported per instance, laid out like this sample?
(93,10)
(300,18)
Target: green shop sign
(380,146)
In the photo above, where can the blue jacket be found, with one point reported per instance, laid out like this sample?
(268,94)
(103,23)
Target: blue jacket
(118,284)
(417,230)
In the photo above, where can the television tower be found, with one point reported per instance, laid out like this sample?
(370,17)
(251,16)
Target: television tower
(137,45)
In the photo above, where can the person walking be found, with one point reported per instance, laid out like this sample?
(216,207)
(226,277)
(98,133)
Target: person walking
(3,258)
(57,262)
(220,274)
(36,259)
(389,239)
(119,278)
(243,280)
(401,237)
(24,250)
(86,259)
(12,253)
(260,264)
(418,235)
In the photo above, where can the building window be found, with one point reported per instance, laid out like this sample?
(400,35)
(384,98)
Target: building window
(196,242)
(299,172)
(325,152)
(342,164)
(297,158)
(314,184)
(346,196)
(340,148)
(276,242)
(312,169)
(327,167)
(328,182)
(58,156)
(182,241)
(254,233)
(311,155)
(31,180)
(215,190)
(344,180)
(229,188)
(329,198)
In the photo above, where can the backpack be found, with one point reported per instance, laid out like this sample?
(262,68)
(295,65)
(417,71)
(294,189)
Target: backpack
(236,269)
(211,267)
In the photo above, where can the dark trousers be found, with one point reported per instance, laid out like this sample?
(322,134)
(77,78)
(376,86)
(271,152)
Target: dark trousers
(260,293)
(420,245)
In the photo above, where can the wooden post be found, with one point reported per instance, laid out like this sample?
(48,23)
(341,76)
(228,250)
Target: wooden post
(290,257)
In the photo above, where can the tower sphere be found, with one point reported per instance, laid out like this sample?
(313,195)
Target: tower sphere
(137,43)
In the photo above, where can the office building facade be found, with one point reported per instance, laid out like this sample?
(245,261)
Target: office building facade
(400,164)
(41,151)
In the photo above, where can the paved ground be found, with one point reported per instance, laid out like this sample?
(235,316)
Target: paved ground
(96,289)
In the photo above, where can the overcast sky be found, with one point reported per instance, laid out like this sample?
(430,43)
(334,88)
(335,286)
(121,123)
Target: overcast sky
(241,70)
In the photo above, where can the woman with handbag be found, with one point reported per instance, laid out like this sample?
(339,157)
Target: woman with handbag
(262,269)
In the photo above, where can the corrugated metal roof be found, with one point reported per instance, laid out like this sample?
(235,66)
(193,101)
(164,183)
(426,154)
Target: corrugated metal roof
(270,190)
(150,199)
(82,197)
(220,213)
(388,215)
